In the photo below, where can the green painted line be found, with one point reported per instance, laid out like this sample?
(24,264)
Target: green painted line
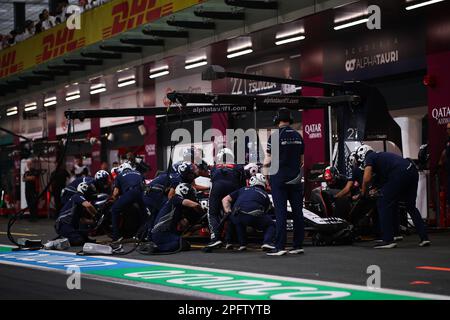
(243,287)
(5,249)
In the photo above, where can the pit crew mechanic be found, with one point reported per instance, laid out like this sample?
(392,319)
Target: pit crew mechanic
(226,177)
(249,206)
(286,182)
(399,179)
(163,187)
(127,190)
(72,215)
(164,234)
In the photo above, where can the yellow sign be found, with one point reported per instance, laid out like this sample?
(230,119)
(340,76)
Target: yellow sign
(98,24)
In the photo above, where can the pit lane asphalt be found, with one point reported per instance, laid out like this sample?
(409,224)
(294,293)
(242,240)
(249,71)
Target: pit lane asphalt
(343,264)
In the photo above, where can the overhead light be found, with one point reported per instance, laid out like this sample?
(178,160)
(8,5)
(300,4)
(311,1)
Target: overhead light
(30,106)
(239,51)
(142,130)
(50,101)
(159,72)
(97,88)
(126,81)
(422,4)
(289,37)
(11,111)
(195,63)
(351,24)
(73,95)
(122,70)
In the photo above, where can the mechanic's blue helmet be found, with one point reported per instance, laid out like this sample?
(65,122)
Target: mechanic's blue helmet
(101,175)
(187,171)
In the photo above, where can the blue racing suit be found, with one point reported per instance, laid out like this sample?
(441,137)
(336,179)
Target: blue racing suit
(291,148)
(165,234)
(225,178)
(129,182)
(68,222)
(156,196)
(250,208)
(71,188)
(399,179)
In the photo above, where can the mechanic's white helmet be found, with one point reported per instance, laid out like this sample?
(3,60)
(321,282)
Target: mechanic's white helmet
(225,155)
(252,169)
(361,153)
(185,191)
(86,188)
(124,166)
(101,174)
(83,187)
(258,180)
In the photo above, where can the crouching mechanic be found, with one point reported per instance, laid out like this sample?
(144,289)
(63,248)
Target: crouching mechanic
(399,179)
(226,177)
(162,188)
(326,197)
(102,182)
(165,234)
(127,191)
(251,207)
(72,215)
(71,188)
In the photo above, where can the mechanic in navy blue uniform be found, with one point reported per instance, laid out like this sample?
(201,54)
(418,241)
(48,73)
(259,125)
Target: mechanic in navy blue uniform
(160,189)
(354,181)
(249,206)
(71,188)
(165,234)
(195,156)
(286,182)
(72,215)
(399,180)
(226,177)
(128,189)
(102,182)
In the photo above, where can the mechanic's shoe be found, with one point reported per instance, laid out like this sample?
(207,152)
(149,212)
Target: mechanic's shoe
(229,246)
(242,248)
(425,243)
(267,247)
(385,245)
(117,248)
(276,252)
(398,238)
(118,241)
(147,248)
(296,251)
(215,244)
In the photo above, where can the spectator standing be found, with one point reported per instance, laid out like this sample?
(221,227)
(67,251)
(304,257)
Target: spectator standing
(48,21)
(31,179)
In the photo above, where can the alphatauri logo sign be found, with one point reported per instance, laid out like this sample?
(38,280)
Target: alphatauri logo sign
(369,55)
(441,115)
(372,60)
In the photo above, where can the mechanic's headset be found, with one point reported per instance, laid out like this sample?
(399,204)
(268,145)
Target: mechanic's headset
(283,114)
